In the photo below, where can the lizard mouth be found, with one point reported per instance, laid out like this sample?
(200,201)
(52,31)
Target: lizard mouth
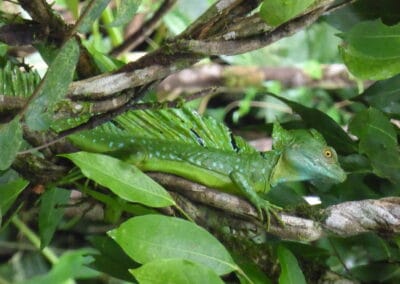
(333,174)
(335,178)
(340,176)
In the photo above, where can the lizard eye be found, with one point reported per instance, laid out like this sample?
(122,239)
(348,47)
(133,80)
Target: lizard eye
(328,153)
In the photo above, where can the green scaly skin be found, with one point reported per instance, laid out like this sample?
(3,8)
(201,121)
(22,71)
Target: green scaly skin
(297,155)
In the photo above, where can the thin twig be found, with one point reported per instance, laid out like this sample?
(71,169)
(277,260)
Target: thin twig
(259,104)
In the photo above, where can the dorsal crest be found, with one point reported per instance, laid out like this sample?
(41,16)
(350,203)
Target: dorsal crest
(181,125)
(281,137)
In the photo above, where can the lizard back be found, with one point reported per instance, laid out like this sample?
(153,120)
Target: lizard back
(160,128)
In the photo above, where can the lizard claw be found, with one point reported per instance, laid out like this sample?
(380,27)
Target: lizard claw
(266,209)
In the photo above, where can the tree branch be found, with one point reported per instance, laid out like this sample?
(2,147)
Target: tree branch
(334,76)
(219,16)
(41,12)
(180,53)
(235,46)
(356,217)
(345,219)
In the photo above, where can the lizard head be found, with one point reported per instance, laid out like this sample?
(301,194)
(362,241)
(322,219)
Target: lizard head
(304,155)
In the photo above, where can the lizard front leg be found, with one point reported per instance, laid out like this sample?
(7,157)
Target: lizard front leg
(242,182)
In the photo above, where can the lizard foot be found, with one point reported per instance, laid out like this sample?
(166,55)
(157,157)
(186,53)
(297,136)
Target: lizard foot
(267,209)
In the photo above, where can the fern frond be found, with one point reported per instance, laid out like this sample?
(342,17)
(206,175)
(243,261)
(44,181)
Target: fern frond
(16,82)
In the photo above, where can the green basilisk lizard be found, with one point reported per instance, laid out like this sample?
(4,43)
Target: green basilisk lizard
(181,142)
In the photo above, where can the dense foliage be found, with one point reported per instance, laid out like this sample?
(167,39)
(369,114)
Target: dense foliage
(69,215)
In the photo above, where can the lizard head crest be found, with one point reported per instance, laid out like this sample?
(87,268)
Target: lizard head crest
(304,155)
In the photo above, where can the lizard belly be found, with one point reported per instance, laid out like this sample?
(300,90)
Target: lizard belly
(191,172)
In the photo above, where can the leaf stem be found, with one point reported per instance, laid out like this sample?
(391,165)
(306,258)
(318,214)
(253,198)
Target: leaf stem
(184,213)
(34,239)
(114,32)
(241,272)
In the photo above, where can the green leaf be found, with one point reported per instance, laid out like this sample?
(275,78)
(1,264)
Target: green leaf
(375,39)
(367,67)
(90,13)
(125,12)
(50,214)
(251,270)
(378,141)
(111,259)
(348,16)
(285,195)
(54,86)
(47,52)
(9,192)
(356,163)
(290,270)
(384,95)
(72,264)
(10,141)
(276,12)
(308,252)
(124,179)
(177,271)
(377,272)
(104,62)
(152,237)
